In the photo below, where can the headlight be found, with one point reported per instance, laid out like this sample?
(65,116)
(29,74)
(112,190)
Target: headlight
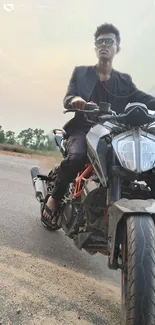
(136,153)
(147,153)
(126,152)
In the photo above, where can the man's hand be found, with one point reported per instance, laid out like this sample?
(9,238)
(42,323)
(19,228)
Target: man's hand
(78,102)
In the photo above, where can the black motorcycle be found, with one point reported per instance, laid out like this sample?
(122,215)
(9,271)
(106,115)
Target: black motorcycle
(110,207)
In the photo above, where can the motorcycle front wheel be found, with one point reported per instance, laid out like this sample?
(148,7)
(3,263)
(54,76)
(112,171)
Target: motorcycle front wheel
(138,274)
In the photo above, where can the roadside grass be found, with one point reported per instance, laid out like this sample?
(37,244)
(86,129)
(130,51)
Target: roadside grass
(22,150)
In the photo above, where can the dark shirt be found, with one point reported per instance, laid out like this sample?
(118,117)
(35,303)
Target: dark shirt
(100,92)
(114,92)
(119,90)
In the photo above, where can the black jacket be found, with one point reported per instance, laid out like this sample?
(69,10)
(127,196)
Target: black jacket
(122,90)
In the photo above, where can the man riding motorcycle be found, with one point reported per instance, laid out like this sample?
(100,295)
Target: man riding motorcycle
(99,83)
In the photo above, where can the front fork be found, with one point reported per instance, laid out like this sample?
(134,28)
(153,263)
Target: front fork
(114,192)
(114,195)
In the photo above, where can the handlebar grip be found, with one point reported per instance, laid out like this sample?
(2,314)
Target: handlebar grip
(81,111)
(89,107)
(69,111)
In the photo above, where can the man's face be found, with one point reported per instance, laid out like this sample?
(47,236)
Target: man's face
(106,46)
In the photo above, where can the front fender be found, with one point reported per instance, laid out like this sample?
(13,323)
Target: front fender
(119,210)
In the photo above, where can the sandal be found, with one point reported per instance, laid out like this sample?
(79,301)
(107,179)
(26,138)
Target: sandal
(52,215)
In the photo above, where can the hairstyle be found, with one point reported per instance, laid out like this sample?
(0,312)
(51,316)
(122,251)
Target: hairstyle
(106,29)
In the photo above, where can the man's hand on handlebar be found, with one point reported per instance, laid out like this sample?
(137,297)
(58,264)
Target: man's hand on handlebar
(78,103)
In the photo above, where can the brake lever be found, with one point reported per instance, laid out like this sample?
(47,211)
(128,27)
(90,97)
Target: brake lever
(151,117)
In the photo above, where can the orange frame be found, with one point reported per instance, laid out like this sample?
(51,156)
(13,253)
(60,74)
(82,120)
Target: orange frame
(80,177)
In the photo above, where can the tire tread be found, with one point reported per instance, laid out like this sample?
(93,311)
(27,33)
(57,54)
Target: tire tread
(141,271)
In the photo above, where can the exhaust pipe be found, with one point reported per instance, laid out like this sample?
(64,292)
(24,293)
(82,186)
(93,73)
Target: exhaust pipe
(38,184)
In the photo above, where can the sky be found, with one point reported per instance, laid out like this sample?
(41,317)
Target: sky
(42,41)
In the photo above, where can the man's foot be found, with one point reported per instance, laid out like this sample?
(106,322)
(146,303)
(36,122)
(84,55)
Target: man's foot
(50,210)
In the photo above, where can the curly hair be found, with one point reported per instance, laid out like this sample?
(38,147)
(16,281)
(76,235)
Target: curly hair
(106,29)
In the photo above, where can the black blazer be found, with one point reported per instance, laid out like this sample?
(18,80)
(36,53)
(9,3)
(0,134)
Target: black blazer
(124,91)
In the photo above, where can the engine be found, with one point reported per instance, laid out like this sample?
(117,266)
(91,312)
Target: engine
(94,200)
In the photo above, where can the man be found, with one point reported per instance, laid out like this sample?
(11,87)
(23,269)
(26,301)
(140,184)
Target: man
(99,83)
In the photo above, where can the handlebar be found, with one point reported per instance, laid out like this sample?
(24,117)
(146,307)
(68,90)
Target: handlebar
(82,111)
(130,118)
(97,112)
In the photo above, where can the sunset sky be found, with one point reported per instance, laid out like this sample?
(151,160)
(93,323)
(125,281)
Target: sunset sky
(41,42)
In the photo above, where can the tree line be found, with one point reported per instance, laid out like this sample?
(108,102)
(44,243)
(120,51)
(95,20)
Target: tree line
(35,139)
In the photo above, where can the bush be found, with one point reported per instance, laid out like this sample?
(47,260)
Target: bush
(21,149)
(13,148)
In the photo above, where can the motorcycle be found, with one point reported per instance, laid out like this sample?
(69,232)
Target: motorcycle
(110,207)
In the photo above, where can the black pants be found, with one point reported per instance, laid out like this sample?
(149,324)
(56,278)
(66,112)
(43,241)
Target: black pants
(72,164)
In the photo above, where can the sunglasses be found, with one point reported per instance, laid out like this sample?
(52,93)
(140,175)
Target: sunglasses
(107,41)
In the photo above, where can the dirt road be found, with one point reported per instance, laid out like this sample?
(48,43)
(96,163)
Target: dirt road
(44,279)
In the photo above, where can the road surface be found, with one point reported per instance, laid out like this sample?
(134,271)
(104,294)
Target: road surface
(44,279)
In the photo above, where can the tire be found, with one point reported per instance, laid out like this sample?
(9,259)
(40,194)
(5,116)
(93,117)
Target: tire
(138,278)
(54,171)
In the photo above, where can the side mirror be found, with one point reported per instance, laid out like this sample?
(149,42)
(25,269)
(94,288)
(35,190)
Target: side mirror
(135,105)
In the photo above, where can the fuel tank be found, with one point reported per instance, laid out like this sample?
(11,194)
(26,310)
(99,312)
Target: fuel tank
(99,144)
